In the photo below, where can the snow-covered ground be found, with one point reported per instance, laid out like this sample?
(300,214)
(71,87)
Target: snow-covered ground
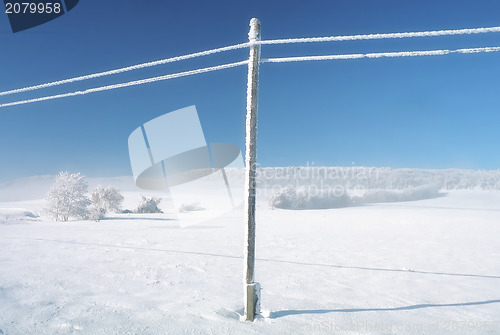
(427,266)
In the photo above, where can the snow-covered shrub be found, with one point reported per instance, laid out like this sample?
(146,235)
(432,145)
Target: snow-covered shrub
(148,205)
(286,198)
(308,198)
(66,199)
(314,198)
(190,207)
(95,213)
(104,200)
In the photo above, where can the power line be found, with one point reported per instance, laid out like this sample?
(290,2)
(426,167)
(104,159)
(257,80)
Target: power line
(269,60)
(381,55)
(431,33)
(130,83)
(126,69)
(244,45)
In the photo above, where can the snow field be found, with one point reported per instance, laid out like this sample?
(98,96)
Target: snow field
(427,266)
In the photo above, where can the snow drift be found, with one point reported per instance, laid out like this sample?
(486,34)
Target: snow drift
(16,215)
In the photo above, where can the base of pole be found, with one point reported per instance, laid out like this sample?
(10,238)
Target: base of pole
(252,299)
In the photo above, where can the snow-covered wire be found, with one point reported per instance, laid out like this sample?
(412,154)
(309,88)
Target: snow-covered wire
(269,60)
(244,45)
(125,69)
(262,42)
(126,84)
(380,55)
(431,33)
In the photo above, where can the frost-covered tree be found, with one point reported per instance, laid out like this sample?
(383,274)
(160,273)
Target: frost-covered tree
(104,199)
(148,205)
(66,199)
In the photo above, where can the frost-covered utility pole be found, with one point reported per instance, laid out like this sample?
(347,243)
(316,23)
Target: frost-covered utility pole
(252,289)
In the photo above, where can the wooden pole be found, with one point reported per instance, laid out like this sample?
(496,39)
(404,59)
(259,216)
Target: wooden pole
(252,289)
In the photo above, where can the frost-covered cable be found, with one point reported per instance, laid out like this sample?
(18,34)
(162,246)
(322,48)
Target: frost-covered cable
(380,55)
(130,83)
(125,69)
(431,33)
(244,45)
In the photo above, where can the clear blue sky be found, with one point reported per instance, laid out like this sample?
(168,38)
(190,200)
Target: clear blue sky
(425,112)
